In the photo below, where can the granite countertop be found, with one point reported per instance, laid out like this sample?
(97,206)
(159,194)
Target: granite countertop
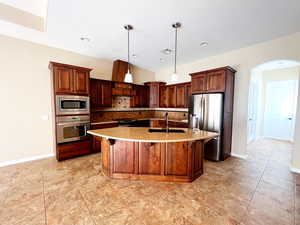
(115,121)
(141,134)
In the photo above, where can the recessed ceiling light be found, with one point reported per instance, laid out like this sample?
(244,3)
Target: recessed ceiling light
(203,44)
(85,39)
(167,51)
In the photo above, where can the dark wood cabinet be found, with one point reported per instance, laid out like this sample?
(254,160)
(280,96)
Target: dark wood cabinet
(220,80)
(163,97)
(141,96)
(209,81)
(150,158)
(120,68)
(72,149)
(215,81)
(174,96)
(69,79)
(124,154)
(175,165)
(96,141)
(181,96)
(101,93)
(154,90)
(188,94)
(81,82)
(171,94)
(175,162)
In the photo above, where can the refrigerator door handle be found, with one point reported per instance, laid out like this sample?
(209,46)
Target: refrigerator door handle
(201,114)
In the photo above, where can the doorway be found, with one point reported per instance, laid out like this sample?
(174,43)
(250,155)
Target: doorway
(273,94)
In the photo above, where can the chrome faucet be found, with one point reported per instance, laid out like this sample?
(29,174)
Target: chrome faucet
(167,122)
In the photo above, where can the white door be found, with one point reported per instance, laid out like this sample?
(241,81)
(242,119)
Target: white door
(280,109)
(252,111)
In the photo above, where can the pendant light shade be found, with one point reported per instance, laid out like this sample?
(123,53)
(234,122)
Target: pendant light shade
(128,75)
(174,76)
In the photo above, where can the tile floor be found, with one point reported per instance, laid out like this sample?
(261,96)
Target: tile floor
(258,191)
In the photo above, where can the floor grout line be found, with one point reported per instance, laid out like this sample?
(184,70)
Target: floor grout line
(86,205)
(44,199)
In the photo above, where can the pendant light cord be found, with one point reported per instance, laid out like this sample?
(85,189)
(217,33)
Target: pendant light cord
(175,69)
(128,51)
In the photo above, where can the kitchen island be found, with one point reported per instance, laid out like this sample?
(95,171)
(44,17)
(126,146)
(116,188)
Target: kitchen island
(137,154)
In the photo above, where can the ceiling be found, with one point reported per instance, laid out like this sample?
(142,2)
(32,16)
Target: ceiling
(225,25)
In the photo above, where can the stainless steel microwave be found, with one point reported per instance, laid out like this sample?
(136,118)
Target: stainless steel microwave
(71,104)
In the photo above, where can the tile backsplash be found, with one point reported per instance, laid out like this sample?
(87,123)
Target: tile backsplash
(121,102)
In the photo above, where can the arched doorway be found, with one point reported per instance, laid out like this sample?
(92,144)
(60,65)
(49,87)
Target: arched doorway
(272,105)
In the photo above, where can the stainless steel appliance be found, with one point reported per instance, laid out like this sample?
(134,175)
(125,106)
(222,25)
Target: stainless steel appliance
(72,128)
(206,113)
(69,104)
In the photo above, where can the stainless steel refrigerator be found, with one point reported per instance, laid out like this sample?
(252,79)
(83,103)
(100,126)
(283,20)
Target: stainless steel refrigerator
(206,113)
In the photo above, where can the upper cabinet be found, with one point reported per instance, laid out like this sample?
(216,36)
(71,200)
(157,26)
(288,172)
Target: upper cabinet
(174,96)
(141,96)
(120,68)
(211,81)
(154,90)
(101,93)
(68,79)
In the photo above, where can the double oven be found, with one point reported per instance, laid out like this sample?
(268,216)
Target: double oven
(72,118)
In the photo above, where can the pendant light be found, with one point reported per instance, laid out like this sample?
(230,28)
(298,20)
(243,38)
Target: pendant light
(174,76)
(128,75)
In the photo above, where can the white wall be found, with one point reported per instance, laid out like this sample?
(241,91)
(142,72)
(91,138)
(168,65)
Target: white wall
(25,94)
(243,60)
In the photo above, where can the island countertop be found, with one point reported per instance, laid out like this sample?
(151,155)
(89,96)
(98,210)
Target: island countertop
(141,134)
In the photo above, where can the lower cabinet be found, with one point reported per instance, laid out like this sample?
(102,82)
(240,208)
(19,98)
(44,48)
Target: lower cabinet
(178,161)
(73,149)
(96,141)
(150,158)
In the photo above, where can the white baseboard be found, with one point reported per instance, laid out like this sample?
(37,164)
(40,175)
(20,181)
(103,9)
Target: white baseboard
(12,162)
(239,156)
(295,170)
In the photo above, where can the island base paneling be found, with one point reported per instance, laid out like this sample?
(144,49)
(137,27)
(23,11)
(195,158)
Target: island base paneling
(172,161)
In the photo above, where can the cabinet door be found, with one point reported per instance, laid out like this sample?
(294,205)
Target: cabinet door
(95,93)
(163,97)
(81,82)
(106,88)
(150,157)
(187,95)
(144,96)
(154,95)
(63,80)
(124,156)
(177,159)
(199,84)
(180,96)
(171,96)
(198,157)
(216,81)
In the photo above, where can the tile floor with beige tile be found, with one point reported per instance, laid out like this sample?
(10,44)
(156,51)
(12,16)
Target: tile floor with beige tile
(258,191)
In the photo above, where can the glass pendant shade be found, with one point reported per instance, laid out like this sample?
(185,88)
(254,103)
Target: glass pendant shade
(174,77)
(128,77)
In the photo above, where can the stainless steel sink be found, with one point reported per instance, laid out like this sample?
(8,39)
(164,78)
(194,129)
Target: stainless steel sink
(165,131)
